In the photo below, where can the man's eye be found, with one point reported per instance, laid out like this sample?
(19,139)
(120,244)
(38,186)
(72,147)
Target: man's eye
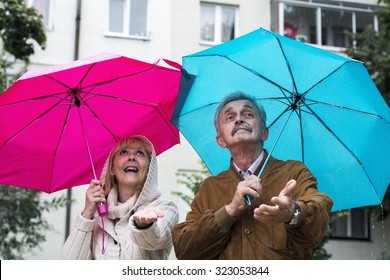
(229,118)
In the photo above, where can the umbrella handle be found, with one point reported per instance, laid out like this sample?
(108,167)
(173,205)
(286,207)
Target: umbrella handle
(102,209)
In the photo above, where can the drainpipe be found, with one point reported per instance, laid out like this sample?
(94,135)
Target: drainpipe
(76,57)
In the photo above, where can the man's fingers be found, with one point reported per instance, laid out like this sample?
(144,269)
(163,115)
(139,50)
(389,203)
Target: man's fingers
(288,189)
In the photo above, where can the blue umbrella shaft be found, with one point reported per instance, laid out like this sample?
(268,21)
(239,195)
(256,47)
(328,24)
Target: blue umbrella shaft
(248,197)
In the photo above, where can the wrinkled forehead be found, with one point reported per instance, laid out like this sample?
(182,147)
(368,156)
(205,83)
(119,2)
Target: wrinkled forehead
(238,105)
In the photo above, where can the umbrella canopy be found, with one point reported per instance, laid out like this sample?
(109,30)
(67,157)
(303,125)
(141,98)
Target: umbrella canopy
(55,122)
(322,109)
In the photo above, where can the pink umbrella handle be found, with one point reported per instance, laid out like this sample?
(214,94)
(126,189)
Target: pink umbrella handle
(102,209)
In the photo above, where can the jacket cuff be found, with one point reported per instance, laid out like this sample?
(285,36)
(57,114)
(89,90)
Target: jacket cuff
(302,216)
(84,224)
(223,219)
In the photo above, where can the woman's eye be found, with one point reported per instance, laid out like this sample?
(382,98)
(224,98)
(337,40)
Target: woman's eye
(140,152)
(123,152)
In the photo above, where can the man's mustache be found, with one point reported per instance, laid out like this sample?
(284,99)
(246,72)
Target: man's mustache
(242,125)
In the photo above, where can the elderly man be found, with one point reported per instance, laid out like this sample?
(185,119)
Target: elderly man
(287,216)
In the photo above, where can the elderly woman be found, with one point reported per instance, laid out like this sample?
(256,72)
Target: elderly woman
(138,223)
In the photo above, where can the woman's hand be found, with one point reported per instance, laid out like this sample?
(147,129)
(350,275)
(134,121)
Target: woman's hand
(93,196)
(147,216)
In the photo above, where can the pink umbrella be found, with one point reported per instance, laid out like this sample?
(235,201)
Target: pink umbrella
(58,122)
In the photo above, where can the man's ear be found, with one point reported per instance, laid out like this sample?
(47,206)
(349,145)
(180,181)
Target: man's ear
(221,142)
(264,134)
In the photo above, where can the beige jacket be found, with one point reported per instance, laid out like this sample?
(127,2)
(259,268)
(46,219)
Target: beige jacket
(122,239)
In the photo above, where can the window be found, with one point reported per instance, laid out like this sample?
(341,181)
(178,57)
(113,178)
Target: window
(44,8)
(217,23)
(128,18)
(323,23)
(353,225)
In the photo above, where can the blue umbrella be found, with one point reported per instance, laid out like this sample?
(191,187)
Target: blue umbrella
(322,109)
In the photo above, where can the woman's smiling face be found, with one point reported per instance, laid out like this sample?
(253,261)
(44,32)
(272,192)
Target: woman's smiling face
(131,165)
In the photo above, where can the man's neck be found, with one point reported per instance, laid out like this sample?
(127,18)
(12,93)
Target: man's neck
(246,156)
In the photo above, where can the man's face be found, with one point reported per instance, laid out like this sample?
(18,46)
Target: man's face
(239,123)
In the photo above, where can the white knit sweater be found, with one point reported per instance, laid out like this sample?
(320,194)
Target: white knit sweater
(123,240)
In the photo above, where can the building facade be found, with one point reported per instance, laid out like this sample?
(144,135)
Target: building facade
(151,29)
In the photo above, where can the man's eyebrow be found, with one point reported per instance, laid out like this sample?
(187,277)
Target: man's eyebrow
(246,106)
(228,110)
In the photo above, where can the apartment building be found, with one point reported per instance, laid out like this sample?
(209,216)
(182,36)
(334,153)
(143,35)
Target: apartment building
(152,29)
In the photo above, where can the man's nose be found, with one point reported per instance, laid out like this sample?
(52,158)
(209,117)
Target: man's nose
(239,119)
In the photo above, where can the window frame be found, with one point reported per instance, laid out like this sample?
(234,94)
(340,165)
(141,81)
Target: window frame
(347,222)
(126,23)
(318,12)
(48,23)
(218,22)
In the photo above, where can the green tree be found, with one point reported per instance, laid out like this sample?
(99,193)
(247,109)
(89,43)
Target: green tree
(192,182)
(20,27)
(22,226)
(373,48)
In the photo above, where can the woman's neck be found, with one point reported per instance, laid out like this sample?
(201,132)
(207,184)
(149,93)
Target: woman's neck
(125,193)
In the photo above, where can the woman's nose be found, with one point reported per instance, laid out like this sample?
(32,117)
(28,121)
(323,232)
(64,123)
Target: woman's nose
(131,157)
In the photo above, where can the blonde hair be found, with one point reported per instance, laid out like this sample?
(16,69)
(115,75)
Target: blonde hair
(109,179)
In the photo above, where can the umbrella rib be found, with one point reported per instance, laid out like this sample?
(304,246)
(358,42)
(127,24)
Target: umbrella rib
(59,141)
(113,80)
(321,80)
(147,104)
(342,143)
(333,134)
(299,114)
(101,122)
(32,122)
(250,70)
(65,85)
(56,95)
(121,77)
(346,109)
(289,69)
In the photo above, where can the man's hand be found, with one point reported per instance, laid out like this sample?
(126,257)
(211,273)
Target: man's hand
(250,186)
(283,207)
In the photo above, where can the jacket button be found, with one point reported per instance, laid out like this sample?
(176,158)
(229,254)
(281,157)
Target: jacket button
(247,231)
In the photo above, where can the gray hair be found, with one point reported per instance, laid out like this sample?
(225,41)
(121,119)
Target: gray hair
(240,95)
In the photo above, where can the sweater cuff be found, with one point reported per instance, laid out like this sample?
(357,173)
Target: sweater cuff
(223,219)
(84,224)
